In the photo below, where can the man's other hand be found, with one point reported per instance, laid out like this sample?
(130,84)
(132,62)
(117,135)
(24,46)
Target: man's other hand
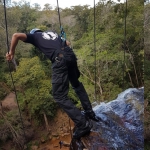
(9,56)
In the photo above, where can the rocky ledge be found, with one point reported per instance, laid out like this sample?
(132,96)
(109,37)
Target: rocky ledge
(120,126)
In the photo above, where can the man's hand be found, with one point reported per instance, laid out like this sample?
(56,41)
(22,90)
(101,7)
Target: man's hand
(9,56)
(14,41)
(68,43)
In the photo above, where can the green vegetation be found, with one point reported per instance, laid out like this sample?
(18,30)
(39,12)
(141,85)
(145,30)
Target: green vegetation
(146,74)
(119,59)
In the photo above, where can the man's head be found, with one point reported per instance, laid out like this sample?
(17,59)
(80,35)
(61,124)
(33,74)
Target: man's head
(35,30)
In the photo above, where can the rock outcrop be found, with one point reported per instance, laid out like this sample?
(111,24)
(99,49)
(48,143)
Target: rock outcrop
(120,126)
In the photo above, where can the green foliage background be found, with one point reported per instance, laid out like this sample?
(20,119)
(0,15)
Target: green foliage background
(116,55)
(108,65)
(116,62)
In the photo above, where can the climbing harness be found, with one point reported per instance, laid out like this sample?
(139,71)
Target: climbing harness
(63,34)
(10,70)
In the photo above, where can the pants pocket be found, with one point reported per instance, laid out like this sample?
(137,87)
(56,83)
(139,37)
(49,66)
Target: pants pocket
(57,84)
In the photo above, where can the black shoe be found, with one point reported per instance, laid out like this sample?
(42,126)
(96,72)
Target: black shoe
(91,115)
(82,130)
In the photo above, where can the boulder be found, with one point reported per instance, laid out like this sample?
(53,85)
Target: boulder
(120,126)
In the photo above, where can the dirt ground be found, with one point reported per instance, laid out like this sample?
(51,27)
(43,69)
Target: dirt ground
(9,101)
(60,129)
(60,132)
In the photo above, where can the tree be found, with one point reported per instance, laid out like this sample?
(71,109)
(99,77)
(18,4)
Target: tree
(34,88)
(28,18)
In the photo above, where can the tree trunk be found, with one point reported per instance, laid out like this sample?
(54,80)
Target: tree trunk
(46,122)
(129,76)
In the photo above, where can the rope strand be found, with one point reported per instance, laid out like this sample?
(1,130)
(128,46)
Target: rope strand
(124,41)
(63,34)
(7,45)
(95,51)
(58,13)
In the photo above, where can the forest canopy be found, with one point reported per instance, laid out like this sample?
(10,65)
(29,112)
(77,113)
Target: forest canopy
(112,62)
(111,42)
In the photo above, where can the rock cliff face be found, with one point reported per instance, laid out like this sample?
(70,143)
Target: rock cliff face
(121,126)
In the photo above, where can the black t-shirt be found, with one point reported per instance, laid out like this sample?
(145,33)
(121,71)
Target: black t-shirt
(48,42)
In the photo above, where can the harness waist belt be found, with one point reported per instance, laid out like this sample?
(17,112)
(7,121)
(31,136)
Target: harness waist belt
(60,55)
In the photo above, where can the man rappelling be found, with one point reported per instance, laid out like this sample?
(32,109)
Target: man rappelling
(64,70)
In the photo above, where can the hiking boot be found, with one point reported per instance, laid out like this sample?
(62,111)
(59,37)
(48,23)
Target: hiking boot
(91,115)
(82,130)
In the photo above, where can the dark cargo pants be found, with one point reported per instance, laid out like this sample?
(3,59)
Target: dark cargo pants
(63,71)
(60,87)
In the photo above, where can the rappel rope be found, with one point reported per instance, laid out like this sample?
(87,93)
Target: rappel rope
(62,33)
(95,53)
(125,17)
(63,37)
(7,46)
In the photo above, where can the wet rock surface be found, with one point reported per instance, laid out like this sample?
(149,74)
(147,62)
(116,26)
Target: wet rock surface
(120,126)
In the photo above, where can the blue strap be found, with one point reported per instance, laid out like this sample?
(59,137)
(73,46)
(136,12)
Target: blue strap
(63,34)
